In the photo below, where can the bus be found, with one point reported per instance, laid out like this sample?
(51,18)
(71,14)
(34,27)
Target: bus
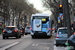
(41,25)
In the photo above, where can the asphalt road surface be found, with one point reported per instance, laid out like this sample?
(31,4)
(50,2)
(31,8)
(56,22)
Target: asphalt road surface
(27,43)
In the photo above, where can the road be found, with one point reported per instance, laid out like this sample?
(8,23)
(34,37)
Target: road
(27,43)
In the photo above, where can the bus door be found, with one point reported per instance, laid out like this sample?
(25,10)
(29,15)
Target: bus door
(45,25)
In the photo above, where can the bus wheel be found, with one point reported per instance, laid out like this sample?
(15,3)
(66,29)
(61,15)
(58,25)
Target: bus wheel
(48,36)
(33,37)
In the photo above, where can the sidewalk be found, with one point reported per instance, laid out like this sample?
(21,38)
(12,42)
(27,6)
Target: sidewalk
(60,48)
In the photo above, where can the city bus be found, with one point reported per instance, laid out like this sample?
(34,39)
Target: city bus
(41,25)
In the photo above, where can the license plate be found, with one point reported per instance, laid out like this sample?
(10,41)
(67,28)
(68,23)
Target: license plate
(64,36)
(9,31)
(39,32)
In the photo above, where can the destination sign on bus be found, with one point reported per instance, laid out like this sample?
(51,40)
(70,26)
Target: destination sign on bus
(43,19)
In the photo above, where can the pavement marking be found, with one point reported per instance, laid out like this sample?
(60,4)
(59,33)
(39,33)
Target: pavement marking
(26,36)
(8,46)
(46,48)
(34,44)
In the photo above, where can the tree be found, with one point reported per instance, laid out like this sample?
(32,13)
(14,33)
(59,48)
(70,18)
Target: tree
(20,7)
(53,7)
(66,7)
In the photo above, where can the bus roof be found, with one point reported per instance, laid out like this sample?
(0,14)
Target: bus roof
(40,14)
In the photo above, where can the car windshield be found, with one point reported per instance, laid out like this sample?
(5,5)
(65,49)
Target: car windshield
(28,27)
(9,28)
(62,31)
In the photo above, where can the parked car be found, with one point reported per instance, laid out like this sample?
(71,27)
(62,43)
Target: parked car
(27,30)
(11,31)
(61,36)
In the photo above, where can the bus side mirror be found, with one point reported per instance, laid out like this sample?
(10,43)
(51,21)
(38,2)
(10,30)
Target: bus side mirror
(52,22)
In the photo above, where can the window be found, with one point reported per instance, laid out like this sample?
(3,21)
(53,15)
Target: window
(28,27)
(62,31)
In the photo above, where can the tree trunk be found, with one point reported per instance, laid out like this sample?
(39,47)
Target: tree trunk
(64,16)
(4,18)
(66,8)
(13,17)
(18,20)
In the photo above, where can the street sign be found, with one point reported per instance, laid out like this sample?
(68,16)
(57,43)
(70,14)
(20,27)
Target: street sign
(61,16)
(58,19)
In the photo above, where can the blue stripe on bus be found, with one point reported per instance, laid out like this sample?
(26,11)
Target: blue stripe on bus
(50,25)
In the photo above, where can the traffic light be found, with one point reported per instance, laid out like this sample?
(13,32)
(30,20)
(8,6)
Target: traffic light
(60,8)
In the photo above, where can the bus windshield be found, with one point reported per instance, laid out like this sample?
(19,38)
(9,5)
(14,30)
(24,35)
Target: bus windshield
(44,19)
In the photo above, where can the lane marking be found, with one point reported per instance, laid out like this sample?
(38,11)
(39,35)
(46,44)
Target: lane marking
(8,46)
(26,36)
(34,44)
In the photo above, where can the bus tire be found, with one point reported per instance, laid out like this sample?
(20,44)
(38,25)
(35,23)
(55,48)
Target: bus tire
(48,36)
(33,37)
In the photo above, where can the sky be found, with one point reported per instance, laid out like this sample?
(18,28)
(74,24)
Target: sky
(38,5)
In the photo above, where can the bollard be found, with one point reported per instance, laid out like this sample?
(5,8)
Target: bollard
(68,46)
(0,31)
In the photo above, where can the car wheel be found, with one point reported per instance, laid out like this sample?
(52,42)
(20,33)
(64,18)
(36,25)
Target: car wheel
(3,37)
(20,36)
(57,45)
(25,33)
(17,37)
(7,37)
(48,36)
